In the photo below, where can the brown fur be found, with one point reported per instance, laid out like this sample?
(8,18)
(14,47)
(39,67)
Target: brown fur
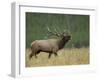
(50,46)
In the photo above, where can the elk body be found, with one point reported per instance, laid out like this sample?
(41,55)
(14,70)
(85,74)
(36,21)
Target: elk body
(51,46)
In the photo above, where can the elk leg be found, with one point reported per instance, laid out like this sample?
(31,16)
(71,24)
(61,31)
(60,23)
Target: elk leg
(37,53)
(49,55)
(55,54)
(35,56)
(30,56)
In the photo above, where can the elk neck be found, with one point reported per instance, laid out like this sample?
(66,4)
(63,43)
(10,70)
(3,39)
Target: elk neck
(62,42)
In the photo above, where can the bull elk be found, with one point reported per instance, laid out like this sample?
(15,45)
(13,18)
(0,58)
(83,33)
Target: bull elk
(51,46)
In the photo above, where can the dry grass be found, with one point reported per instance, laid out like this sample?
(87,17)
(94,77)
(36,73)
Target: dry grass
(65,57)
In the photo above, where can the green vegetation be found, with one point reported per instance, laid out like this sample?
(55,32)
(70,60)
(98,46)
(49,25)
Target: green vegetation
(78,25)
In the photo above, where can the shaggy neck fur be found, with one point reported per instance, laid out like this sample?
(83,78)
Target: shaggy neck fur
(62,42)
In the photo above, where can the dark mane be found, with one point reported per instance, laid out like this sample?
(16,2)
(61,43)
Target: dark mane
(62,42)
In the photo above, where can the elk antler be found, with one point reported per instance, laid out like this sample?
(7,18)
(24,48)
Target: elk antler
(53,33)
(65,33)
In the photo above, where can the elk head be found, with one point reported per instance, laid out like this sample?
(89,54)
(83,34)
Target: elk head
(64,37)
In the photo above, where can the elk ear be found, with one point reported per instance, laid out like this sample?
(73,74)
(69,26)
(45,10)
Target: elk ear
(64,33)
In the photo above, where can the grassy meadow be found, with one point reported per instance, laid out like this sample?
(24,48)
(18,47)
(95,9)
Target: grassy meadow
(65,56)
(75,52)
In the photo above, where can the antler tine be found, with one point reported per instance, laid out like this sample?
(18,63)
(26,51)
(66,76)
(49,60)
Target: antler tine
(56,31)
(64,31)
(48,29)
(52,33)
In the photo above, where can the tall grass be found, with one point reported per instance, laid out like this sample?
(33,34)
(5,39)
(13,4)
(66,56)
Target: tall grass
(74,56)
